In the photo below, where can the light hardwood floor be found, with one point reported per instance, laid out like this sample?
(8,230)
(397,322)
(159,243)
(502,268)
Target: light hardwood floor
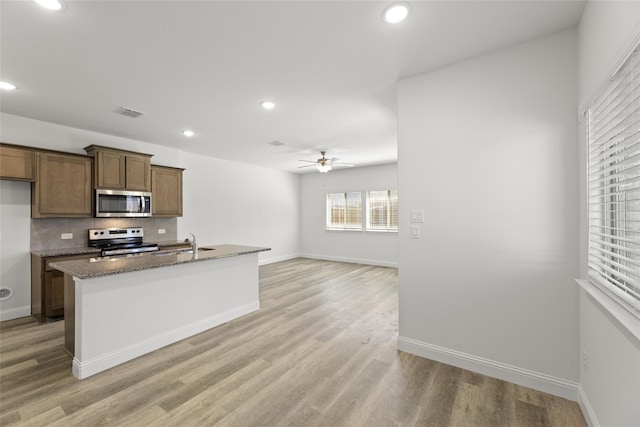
(320,352)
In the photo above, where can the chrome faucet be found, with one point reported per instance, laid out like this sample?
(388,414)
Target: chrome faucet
(192,242)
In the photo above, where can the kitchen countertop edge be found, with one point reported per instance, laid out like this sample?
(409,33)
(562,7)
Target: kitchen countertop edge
(65,251)
(89,250)
(88,269)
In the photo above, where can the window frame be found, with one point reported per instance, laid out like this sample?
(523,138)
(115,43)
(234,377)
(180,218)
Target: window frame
(389,228)
(613,240)
(333,226)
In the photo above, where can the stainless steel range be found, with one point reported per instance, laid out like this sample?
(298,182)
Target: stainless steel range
(120,241)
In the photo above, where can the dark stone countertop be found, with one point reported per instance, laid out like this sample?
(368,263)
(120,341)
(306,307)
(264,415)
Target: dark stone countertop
(88,250)
(65,251)
(98,267)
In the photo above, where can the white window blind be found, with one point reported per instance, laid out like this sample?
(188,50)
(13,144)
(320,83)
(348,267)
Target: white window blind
(382,210)
(344,211)
(613,157)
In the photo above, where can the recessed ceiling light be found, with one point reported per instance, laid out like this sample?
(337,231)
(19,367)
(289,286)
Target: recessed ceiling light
(395,13)
(188,132)
(7,86)
(50,4)
(268,105)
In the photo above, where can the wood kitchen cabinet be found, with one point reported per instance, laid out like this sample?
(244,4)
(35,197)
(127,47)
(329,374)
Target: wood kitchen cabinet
(47,287)
(120,169)
(17,163)
(166,190)
(63,186)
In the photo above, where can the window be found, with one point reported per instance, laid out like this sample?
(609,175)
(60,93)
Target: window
(344,211)
(613,157)
(382,210)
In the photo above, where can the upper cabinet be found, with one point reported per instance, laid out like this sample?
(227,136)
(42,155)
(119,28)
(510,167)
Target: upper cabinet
(120,169)
(166,187)
(138,172)
(17,163)
(63,183)
(63,188)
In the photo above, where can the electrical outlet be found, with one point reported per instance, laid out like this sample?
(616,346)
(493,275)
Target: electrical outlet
(66,236)
(161,230)
(585,361)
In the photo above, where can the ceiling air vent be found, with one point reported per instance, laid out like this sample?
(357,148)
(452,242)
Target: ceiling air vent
(124,111)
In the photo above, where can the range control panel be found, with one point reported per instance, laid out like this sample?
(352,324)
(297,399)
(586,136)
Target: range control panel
(115,233)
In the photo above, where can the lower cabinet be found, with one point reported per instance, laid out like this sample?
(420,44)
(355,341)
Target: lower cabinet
(53,294)
(47,287)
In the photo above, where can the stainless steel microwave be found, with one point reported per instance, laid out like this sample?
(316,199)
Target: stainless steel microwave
(118,203)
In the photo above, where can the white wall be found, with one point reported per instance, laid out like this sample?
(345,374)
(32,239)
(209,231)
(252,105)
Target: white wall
(611,381)
(229,202)
(377,248)
(224,202)
(15,262)
(488,149)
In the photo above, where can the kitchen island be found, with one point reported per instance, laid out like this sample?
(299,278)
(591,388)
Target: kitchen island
(119,308)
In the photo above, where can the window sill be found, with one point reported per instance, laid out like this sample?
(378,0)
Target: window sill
(623,316)
(344,229)
(374,230)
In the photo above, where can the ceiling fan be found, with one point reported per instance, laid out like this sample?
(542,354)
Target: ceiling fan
(323,164)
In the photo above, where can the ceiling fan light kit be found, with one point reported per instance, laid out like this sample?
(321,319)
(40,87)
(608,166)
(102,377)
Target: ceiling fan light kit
(323,164)
(323,168)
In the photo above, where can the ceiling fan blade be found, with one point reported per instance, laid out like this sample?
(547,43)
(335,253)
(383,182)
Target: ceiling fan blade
(335,159)
(348,165)
(306,166)
(308,161)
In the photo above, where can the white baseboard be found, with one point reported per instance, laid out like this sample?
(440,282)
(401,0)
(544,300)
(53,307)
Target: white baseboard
(93,366)
(587,409)
(278,259)
(524,377)
(15,313)
(380,263)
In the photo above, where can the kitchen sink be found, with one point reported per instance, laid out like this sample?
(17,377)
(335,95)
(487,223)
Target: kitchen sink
(181,251)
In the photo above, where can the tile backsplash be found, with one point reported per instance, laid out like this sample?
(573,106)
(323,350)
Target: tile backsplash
(46,232)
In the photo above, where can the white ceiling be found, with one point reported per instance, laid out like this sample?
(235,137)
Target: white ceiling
(331,67)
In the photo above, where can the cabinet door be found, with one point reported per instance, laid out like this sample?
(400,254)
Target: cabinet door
(53,293)
(110,170)
(138,176)
(166,191)
(17,164)
(63,188)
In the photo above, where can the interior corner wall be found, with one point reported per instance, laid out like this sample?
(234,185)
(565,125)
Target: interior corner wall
(487,148)
(610,382)
(365,247)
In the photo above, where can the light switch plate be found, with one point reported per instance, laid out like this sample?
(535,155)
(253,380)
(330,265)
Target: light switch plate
(417,215)
(161,230)
(415,231)
(66,236)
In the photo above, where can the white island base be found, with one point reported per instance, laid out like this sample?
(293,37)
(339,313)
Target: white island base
(119,317)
